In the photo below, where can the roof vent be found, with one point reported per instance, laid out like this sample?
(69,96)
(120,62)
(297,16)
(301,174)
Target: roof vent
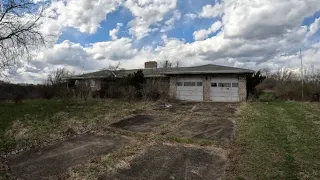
(150,65)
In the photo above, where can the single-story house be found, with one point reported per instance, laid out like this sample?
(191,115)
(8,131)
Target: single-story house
(198,83)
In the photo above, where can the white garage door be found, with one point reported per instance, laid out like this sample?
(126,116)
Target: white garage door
(224,89)
(189,89)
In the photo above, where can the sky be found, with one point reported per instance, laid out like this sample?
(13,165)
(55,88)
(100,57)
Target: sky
(89,35)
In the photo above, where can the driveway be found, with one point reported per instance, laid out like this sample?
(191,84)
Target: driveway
(184,141)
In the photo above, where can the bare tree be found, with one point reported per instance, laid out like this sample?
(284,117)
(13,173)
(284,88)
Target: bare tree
(177,63)
(58,76)
(115,67)
(19,31)
(165,63)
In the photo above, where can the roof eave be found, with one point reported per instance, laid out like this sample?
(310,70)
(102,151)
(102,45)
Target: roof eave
(209,72)
(90,77)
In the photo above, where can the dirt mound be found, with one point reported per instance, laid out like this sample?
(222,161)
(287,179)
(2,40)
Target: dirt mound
(141,123)
(54,160)
(173,162)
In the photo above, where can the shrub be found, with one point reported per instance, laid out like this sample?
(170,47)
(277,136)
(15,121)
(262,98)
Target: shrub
(253,80)
(18,97)
(154,90)
(130,93)
(287,85)
(267,96)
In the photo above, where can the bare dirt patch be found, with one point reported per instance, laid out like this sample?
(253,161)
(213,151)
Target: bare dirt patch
(220,130)
(211,121)
(173,162)
(216,109)
(141,123)
(41,163)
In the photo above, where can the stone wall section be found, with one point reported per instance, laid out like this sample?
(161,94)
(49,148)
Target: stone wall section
(173,87)
(206,83)
(242,88)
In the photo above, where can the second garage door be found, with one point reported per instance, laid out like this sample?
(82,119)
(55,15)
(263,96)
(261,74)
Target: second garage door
(189,89)
(224,90)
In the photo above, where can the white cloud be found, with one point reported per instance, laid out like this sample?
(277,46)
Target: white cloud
(204,33)
(211,11)
(113,33)
(254,34)
(120,49)
(191,16)
(83,15)
(265,19)
(314,27)
(147,13)
(168,24)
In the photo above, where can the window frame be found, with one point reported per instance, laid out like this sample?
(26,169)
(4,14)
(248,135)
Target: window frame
(189,83)
(233,84)
(214,84)
(225,85)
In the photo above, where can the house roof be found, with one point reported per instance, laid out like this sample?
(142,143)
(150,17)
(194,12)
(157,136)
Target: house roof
(208,69)
(161,72)
(95,75)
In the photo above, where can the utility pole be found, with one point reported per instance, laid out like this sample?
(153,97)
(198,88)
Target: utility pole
(302,76)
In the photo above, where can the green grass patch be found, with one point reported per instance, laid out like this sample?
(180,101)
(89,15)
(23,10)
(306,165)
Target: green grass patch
(267,96)
(38,109)
(277,140)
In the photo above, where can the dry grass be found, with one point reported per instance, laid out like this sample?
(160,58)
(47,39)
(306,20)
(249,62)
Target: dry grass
(36,122)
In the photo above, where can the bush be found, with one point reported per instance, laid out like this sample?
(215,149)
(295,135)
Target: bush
(18,97)
(83,91)
(267,96)
(67,96)
(253,80)
(287,85)
(130,93)
(48,92)
(154,90)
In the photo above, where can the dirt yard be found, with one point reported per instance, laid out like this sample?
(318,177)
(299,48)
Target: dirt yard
(185,141)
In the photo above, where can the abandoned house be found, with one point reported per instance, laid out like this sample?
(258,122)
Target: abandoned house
(199,83)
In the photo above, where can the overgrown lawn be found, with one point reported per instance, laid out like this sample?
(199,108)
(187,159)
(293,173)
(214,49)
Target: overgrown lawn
(277,140)
(37,121)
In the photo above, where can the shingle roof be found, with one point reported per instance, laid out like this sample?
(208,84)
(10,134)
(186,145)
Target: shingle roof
(208,69)
(160,72)
(147,72)
(95,75)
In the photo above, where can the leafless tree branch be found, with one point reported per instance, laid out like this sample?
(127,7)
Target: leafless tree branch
(19,31)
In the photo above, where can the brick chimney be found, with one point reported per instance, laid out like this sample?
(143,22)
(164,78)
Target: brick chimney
(150,65)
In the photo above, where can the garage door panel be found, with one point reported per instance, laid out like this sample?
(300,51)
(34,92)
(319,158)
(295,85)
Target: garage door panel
(222,92)
(225,99)
(190,93)
(185,93)
(225,95)
(234,91)
(214,93)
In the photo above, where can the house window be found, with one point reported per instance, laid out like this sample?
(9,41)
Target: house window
(179,83)
(235,84)
(213,84)
(199,83)
(189,83)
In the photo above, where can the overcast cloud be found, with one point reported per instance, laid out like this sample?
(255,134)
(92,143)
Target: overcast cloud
(244,33)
